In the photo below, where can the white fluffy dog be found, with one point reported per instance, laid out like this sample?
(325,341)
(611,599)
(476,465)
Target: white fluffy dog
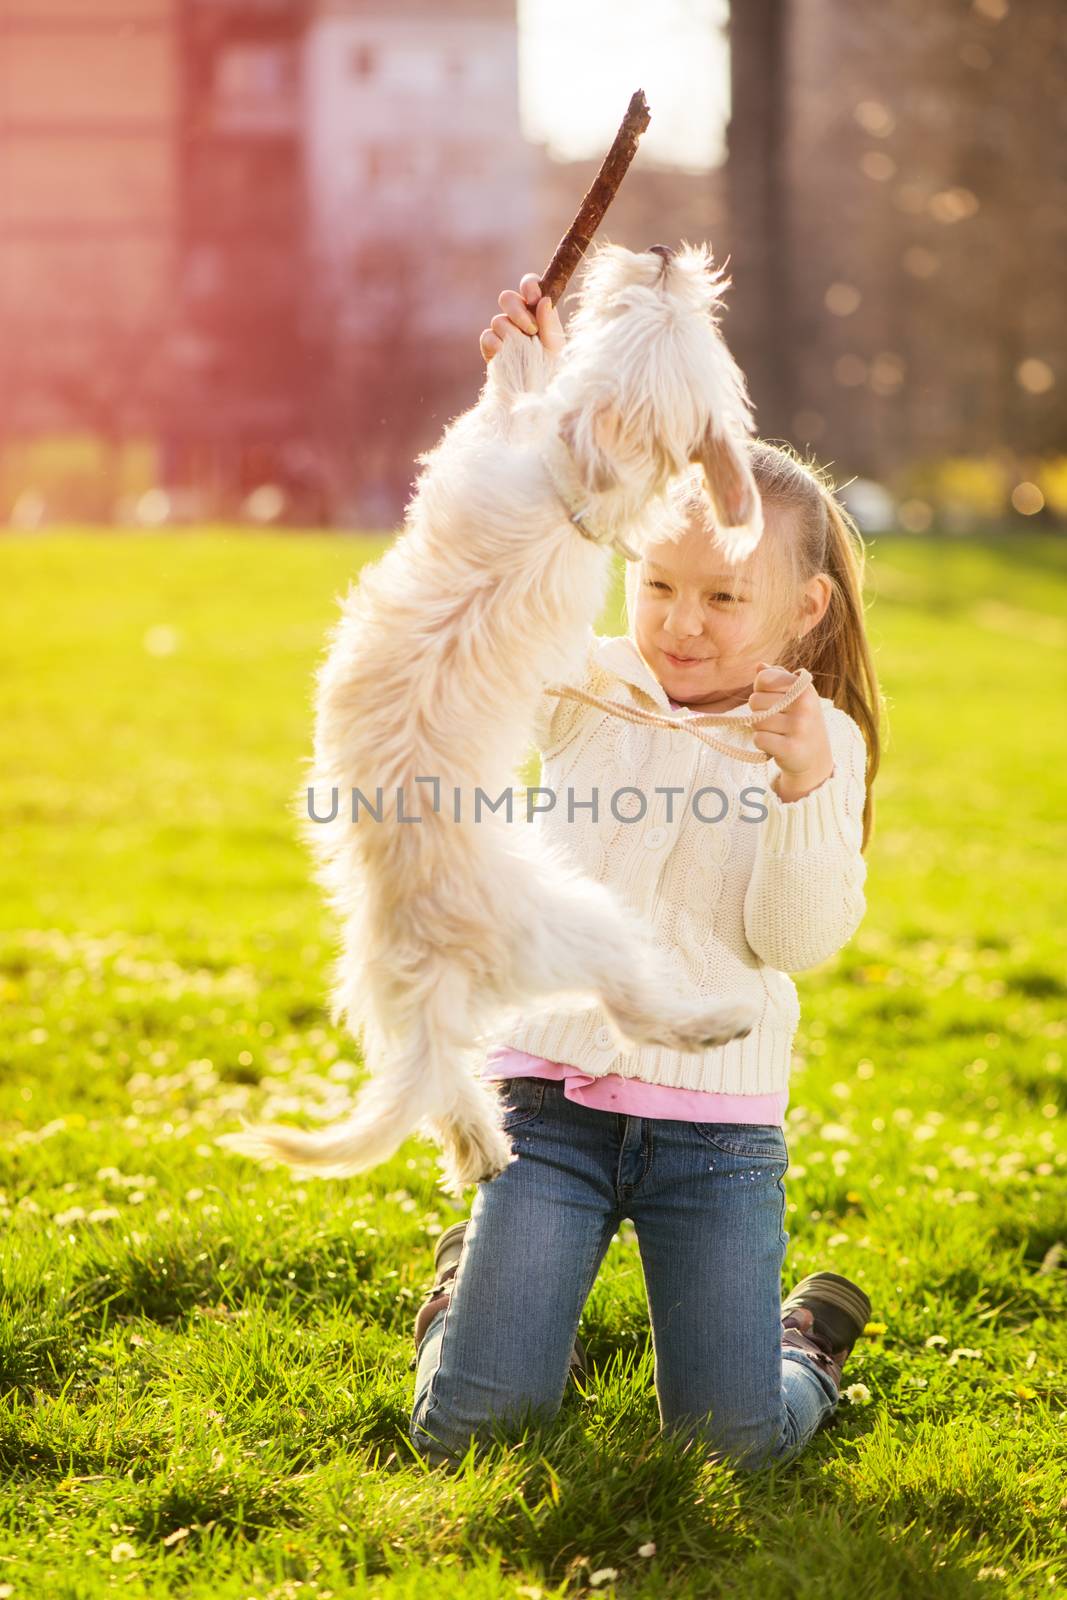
(436,670)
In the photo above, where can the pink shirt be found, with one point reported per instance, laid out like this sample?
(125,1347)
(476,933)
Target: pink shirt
(635,1098)
(632,1096)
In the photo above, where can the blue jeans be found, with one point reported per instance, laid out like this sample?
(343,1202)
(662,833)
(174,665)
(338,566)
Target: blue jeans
(707,1200)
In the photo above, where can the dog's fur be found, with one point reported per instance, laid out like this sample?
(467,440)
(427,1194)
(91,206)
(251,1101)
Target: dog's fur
(436,669)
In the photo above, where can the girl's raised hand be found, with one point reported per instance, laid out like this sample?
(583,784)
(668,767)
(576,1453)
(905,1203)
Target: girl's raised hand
(525,311)
(796,737)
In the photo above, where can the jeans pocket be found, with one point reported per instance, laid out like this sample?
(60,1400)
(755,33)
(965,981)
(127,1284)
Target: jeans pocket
(522,1100)
(761,1141)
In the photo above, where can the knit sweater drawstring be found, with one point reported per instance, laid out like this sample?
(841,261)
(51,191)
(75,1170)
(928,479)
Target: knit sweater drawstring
(698,722)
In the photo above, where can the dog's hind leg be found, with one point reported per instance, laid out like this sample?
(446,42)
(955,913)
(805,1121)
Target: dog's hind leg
(474,1147)
(580,936)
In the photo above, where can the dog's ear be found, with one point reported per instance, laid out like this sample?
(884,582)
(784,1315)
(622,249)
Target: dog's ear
(591,435)
(731,486)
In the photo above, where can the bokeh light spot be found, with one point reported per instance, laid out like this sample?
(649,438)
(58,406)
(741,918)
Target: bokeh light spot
(915,516)
(919,262)
(1027,499)
(877,165)
(850,371)
(161,640)
(875,118)
(953,205)
(153,508)
(887,373)
(842,299)
(1035,375)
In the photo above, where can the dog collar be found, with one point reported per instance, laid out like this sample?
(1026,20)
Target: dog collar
(576,516)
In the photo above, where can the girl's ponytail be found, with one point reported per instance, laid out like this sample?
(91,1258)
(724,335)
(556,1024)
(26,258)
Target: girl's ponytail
(836,651)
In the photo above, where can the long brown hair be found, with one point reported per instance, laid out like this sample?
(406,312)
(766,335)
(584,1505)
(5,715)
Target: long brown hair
(815,536)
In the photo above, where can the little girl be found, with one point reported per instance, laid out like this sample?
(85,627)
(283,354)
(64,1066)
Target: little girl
(747,860)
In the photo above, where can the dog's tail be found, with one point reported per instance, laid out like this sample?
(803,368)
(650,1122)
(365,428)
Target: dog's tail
(428,1085)
(376,1129)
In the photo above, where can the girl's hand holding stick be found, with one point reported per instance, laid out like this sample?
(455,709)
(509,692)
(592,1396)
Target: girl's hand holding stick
(532,309)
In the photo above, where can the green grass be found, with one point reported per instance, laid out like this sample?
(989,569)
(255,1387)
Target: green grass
(204,1384)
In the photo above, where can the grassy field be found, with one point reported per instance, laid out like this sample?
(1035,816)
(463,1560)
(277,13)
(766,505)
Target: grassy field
(204,1384)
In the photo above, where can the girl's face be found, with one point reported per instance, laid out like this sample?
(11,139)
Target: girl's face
(695,622)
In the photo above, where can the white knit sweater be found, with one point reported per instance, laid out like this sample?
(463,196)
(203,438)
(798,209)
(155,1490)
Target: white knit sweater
(739,903)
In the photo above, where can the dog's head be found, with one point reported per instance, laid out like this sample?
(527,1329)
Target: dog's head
(648,385)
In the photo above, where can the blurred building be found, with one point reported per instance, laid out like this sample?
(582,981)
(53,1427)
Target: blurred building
(262,233)
(237,402)
(420,190)
(88,137)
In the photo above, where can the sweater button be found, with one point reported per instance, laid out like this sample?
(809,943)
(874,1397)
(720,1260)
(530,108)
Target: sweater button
(604,1038)
(654,838)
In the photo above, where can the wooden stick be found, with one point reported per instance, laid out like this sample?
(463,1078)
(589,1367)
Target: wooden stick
(602,191)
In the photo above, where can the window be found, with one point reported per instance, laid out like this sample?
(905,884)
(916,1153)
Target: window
(390,162)
(256,86)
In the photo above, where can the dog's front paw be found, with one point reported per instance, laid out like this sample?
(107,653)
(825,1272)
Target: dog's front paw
(521,366)
(707,1029)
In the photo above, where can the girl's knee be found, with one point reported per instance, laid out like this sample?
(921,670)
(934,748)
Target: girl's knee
(429,1445)
(740,1443)
(445,1441)
(432,1450)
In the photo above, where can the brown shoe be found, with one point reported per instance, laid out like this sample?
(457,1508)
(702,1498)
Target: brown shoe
(446,1258)
(824,1316)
